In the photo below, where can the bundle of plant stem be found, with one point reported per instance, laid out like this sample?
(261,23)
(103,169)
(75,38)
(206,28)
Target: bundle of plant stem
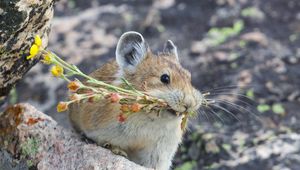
(94,90)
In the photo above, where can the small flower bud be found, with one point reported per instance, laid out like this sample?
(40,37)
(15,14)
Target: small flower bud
(97,98)
(47,59)
(114,97)
(135,107)
(74,97)
(62,106)
(94,98)
(91,99)
(57,71)
(73,86)
(121,118)
(125,108)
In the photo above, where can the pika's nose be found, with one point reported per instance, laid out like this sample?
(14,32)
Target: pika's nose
(188,103)
(192,100)
(187,106)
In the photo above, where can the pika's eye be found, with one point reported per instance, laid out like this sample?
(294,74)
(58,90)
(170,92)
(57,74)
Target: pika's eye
(165,79)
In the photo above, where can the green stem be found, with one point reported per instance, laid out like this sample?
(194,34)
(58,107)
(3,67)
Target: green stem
(76,71)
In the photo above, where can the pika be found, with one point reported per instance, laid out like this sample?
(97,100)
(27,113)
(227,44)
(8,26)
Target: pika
(149,139)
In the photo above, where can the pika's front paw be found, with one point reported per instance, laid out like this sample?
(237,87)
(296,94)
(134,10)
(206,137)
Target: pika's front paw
(115,149)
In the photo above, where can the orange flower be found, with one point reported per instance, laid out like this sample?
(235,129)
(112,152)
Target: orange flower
(62,106)
(114,97)
(135,107)
(73,86)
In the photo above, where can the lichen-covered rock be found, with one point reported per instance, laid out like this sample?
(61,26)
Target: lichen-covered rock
(20,20)
(29,138)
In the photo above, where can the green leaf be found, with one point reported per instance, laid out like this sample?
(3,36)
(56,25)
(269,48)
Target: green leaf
(250,93)
(192,113)
(212,166)
(263,108)
(242,43)
(227,147)
(238,26)
(187,166)
(217,36)
(249,12)
(13,96)
(278,109)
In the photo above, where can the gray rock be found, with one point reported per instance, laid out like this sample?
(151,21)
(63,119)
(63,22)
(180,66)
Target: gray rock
(37,140)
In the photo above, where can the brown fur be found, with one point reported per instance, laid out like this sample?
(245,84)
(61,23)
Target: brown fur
(149,139)
(148,71)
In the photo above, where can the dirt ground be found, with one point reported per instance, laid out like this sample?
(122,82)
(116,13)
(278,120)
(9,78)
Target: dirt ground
(244,52)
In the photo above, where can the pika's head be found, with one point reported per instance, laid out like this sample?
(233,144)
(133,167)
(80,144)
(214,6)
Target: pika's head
(159,75)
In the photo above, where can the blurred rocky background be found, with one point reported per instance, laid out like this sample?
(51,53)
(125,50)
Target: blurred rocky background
(246,53)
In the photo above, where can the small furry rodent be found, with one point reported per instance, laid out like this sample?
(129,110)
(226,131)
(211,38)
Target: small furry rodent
(149,139)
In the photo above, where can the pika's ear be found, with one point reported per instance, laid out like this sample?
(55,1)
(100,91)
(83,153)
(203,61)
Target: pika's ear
(171,49)
(131,50)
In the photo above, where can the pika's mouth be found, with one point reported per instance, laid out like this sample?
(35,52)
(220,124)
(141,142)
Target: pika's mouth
(174,112)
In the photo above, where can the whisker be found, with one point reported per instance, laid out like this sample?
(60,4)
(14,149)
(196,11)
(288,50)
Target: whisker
(238,100)
(212,115)
(226,110)
(233,94)
(240,108)
(209,118)
(215,113)
(196,116)
(201,115)
(206,116)
(228,87)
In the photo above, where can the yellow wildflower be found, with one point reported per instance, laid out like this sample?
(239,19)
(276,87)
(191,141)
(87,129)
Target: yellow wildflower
(57,71)
(37,40)
(34,49)
(62,106)
(47,58)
